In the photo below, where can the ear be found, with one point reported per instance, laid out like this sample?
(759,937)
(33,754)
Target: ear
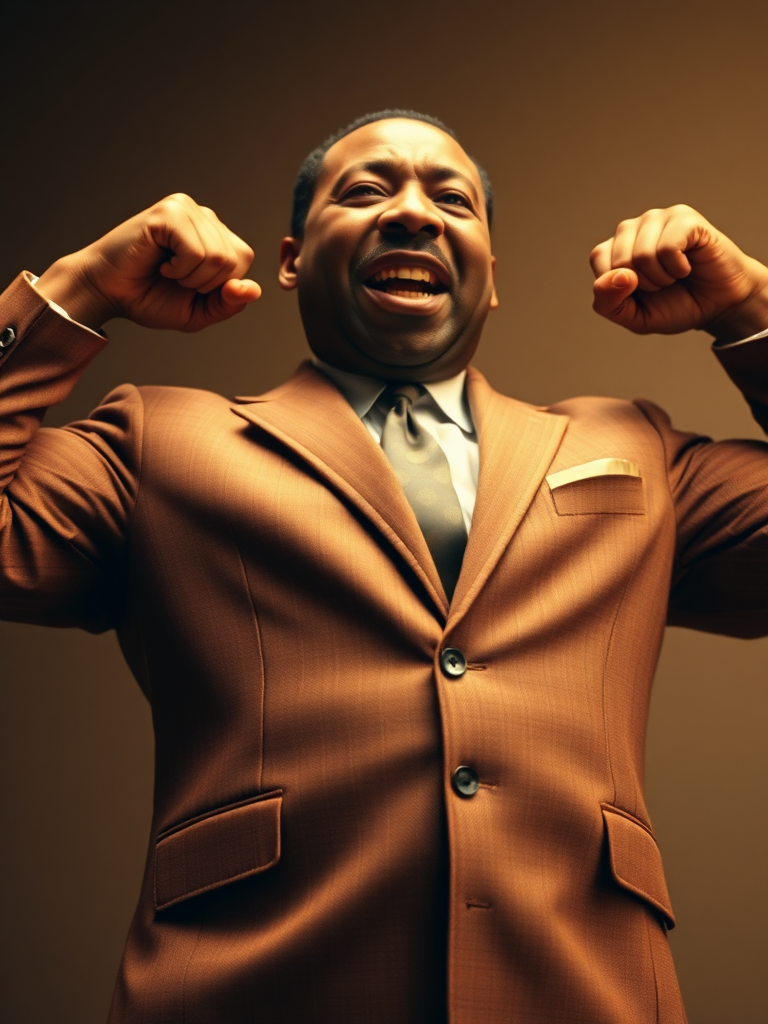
(494,303)
(290,250)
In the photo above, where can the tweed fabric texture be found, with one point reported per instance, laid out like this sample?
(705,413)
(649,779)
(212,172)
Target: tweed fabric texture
(276,600)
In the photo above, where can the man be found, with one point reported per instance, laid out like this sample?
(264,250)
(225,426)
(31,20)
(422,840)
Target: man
(399,761)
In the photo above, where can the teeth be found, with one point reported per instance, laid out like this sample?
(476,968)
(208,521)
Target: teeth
(406,274)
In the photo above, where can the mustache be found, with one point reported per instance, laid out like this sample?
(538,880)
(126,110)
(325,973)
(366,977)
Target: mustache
(415,245)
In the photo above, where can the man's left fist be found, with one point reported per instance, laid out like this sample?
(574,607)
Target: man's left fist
(670,270)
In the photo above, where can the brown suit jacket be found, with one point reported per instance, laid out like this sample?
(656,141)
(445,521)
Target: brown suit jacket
(309,859)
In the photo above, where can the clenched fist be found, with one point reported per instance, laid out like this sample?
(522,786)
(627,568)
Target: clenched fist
(173,266)
(670,270)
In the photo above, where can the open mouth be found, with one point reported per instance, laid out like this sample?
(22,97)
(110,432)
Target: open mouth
(406,282)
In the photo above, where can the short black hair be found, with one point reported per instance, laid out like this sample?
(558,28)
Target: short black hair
(309,172)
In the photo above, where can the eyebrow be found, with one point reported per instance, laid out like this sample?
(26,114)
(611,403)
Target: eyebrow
(441,172)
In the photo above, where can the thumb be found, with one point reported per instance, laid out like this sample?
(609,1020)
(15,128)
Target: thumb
(229,299)
(613,297)
(239,293)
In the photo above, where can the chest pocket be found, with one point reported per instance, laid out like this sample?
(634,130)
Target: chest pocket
(603,486)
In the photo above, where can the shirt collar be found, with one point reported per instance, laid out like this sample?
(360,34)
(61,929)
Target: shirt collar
(362,392)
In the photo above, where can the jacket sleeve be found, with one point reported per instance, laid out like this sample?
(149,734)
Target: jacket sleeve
(66,495)
(720,494)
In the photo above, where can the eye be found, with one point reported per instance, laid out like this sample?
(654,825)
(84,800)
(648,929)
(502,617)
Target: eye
(453,199)
(364,190)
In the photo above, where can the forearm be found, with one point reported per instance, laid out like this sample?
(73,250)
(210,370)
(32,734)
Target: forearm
(38,368)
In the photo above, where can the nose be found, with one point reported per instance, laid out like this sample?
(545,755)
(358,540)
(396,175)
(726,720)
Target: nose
(410,212)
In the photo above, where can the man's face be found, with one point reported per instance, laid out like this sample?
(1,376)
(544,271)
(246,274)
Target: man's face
(394,272)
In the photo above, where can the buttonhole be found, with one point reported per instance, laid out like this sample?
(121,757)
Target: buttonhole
(478,905)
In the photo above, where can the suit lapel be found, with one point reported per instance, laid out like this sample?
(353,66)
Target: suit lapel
(517,445)
(310,416)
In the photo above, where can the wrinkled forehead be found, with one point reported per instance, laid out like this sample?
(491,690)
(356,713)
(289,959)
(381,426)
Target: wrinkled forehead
(400,143)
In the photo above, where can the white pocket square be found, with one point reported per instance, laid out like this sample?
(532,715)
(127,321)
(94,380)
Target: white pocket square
(599,467)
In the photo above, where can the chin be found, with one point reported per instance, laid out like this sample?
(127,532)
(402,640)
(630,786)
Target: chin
(405,356)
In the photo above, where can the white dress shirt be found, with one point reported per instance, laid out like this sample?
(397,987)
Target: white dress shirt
(443,411)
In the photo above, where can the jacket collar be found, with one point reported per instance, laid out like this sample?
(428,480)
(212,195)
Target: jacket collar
(517,445)
(309,415)
(362,393)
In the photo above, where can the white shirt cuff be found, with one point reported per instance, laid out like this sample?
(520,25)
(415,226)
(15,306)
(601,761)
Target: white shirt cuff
(742,341)
(33,279)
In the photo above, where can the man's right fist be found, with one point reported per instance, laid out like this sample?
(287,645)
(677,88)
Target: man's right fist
(173,266)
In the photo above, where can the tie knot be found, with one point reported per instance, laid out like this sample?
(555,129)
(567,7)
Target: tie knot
(410,392)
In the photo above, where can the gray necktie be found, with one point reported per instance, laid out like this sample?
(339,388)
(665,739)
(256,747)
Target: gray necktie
(423,471)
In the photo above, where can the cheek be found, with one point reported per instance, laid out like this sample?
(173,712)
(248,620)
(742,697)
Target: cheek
(473,255)
(329,275)
(476,272)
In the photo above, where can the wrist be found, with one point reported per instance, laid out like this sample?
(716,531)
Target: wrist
(748,317)
(66,282)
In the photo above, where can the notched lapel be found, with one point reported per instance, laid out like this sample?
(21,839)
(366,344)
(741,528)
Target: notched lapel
(310,416)
(517,445)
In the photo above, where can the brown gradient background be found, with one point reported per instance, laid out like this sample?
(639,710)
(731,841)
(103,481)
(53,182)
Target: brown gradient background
(583,113)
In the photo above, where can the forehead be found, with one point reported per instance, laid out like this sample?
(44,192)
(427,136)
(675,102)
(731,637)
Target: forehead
(401,142)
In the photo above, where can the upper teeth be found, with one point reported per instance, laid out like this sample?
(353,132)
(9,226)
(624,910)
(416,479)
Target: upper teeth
(407,273)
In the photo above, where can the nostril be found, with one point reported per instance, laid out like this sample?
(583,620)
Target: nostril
(396,227)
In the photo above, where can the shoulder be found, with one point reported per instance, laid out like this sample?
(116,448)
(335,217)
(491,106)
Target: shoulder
(603,412)
(157,412)
(160,401)
(600,409)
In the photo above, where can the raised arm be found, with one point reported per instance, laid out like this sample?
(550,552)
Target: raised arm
(66,496)
(670,271)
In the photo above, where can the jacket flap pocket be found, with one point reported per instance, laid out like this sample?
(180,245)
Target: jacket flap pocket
(217,848)
(636,861)
(600,494)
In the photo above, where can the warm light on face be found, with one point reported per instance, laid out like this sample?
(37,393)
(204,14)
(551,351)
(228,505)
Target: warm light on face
(395,271)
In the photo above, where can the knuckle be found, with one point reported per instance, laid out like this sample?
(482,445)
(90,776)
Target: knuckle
(170,203)
(644,257)
(668,249)
(220,259)
(166,208)
(648,217)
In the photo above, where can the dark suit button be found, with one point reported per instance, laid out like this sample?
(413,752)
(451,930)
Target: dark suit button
(465,781)
(7,338)
(453,662)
